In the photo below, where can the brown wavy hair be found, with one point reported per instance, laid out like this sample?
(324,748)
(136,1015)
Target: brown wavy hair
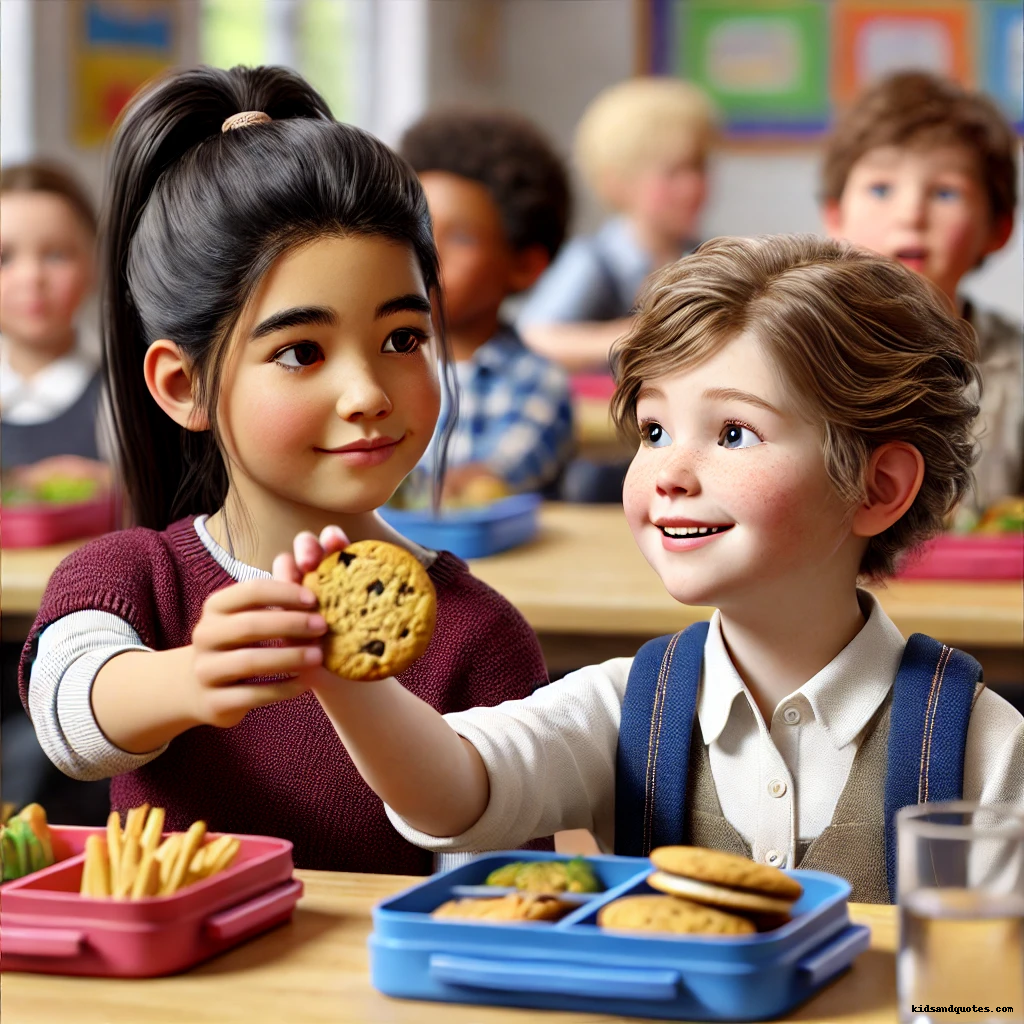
(919,110)
(872,350)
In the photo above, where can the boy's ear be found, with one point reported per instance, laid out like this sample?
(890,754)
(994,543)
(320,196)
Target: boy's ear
(892,480)
(831,218)
(1002,228)
(169,382)
(527,265)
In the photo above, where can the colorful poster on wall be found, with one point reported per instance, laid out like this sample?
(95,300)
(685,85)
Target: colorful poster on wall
(1001,56)
(873,38)
(117,46)
(764,63)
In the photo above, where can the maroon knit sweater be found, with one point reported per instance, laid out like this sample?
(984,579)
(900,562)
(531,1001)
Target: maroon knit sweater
(282,770)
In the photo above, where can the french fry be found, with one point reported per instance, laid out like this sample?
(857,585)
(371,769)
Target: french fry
(192,841)
(224,857)
(135,820)
(95,878)
(153,830)
(147,879)
(113,847)
(166,855)
(129,866)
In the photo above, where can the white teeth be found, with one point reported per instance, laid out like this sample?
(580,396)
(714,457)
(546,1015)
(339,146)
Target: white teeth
(690,531)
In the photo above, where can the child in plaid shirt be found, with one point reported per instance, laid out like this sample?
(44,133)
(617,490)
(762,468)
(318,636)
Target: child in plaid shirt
(499,202)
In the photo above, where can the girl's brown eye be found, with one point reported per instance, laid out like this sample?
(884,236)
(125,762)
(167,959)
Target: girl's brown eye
(306,355)
(402,342)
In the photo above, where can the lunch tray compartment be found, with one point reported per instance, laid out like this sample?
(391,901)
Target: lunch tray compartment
(470,532)
(573,964)
(47,927)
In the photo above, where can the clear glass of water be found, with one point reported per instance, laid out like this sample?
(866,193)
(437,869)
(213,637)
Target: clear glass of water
(960,884)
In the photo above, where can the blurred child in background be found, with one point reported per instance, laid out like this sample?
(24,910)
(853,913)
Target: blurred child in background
(50,383)
(642,147)
(50,399)
(923,171)
(499,203)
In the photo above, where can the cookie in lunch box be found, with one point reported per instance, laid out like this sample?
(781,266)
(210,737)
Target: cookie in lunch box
(723,880)
(655,913)
(512,907)
(380,608)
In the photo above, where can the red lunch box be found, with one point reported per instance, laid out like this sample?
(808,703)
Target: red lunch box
(47,927)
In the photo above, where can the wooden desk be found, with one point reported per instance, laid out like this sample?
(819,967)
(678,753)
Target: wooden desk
(315,970)
(586,589)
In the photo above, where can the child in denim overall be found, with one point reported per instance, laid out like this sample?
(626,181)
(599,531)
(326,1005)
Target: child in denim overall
(803,411)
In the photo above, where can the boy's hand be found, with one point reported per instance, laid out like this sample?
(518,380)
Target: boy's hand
(225,654)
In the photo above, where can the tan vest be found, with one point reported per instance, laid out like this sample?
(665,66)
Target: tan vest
(852,845)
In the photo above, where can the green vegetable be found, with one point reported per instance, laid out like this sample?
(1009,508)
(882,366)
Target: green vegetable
(505,876)
(574,875)
(61,490)
(581,876)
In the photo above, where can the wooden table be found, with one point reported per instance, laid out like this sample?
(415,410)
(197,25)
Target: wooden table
(315,969)
(588,592)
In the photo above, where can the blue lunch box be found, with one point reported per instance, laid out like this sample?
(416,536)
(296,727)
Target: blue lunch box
(470,532)
(573,964)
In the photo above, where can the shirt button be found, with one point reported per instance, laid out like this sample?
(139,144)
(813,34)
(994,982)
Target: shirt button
(791,716)
(774,858)
(777,788)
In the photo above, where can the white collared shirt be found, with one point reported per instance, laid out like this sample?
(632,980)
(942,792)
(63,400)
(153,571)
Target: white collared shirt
(46,394)
(551,758)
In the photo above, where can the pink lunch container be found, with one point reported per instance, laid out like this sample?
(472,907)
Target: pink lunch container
(47,927)
(967,557)
(37,526)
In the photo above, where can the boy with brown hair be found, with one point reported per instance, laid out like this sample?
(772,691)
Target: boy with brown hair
(803,413)
(499,203)
(924,172)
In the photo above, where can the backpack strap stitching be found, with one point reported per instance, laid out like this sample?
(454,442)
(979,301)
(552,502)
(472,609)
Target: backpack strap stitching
(931,711)
(657,716)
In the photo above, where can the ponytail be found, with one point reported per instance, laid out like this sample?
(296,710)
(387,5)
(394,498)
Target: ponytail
(194,218)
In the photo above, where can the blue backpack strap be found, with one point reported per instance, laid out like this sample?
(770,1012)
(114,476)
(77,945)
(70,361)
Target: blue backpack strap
(931,709)
(654,741)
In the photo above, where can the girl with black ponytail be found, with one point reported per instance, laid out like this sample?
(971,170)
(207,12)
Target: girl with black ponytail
(273,366)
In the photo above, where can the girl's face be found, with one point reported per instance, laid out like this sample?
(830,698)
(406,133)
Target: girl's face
(330,392)
(46,267)
(725,451)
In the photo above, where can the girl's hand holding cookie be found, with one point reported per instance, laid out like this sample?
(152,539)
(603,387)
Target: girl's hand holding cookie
(228,651)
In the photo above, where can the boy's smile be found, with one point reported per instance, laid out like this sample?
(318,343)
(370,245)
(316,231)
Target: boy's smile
(728,493)
(925,207)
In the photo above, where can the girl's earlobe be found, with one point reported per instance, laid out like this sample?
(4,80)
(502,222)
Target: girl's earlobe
(169,381)
(892,479)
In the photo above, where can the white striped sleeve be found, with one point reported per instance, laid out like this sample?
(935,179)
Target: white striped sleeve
(70,654)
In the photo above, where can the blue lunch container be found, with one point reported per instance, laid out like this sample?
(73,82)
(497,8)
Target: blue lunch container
(470,532)
(573,964)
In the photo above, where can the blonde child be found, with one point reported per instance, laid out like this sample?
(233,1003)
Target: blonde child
(268,339)
(803,413)
(642,147)
(924,172)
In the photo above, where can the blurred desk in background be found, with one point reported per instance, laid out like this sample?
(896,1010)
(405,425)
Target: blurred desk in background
(583,585)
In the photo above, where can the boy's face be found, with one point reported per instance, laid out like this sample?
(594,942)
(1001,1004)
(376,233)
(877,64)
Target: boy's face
(926,208)
(725,449)
(666,196)
(478,266)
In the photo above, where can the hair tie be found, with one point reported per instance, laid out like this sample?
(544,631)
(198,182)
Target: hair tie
(244,119)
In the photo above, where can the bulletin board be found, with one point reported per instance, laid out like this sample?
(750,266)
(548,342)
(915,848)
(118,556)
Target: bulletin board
(782,68)
(116,46)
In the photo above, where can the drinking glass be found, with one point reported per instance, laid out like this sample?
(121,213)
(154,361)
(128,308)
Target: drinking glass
(960,882)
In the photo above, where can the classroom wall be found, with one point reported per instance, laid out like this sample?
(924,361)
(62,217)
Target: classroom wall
(546,58)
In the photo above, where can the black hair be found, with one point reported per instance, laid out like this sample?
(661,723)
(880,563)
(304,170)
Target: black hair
(195,217)
(510,157)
